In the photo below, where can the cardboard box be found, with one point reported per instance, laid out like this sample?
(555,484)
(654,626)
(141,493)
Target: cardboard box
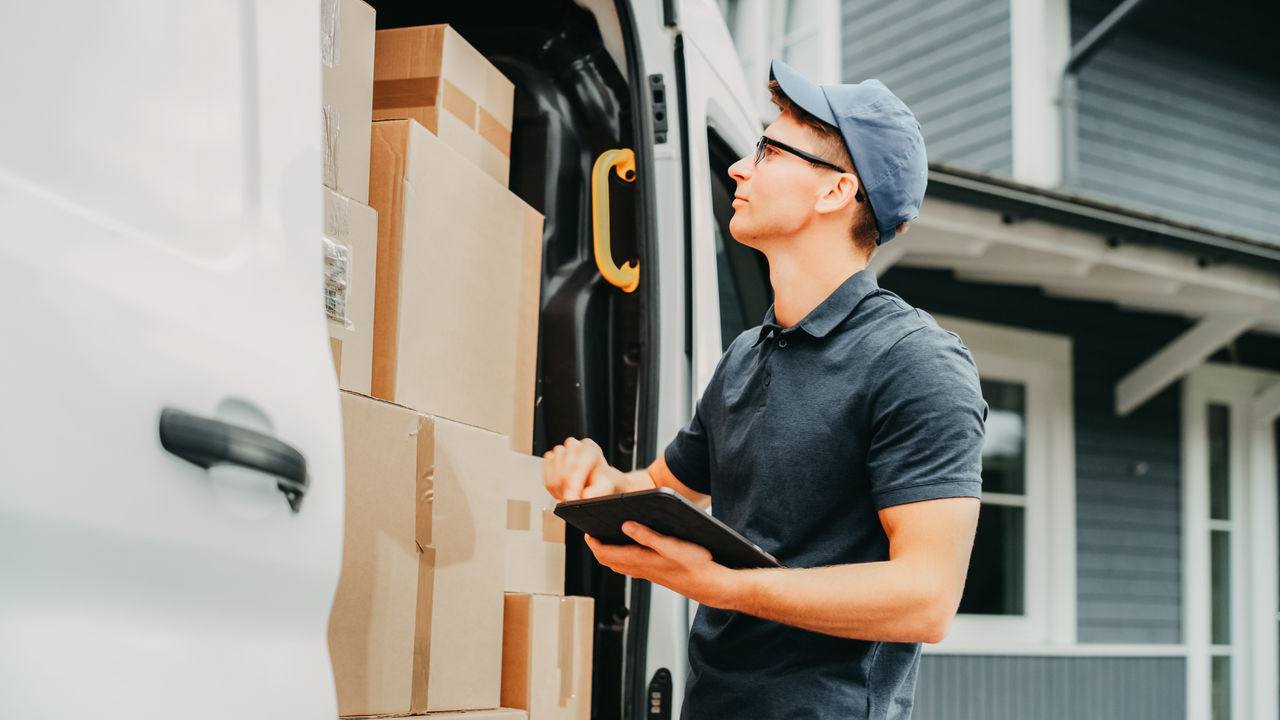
(352,227)
(546,656)
(498,714)
(346,54)
(467,524)
(416,624)
(535,535)
(432,75)
(382,610)
(455,329)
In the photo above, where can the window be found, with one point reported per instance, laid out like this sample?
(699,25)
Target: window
(1221,527)
(742,273)
(801,35)
(1020,589)
(1229,530)
(805,34)
(996,584)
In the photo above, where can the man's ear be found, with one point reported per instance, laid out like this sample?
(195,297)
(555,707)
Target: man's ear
(839,194)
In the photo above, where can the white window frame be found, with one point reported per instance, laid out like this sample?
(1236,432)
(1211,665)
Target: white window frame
(1253,401)
(1042,363)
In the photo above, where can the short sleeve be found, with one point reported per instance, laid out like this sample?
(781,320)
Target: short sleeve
(928,422)
(688,456)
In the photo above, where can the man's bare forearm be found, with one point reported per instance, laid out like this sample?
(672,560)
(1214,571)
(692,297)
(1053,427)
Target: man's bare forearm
(888,601)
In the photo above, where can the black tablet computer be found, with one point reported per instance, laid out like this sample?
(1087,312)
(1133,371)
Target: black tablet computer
(668,512)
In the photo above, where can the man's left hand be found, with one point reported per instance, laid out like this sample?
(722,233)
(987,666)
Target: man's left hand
(681,566)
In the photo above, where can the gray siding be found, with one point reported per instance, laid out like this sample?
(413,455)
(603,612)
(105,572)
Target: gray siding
(950,62)
(1128,474)
(1050,688)
(1176,133)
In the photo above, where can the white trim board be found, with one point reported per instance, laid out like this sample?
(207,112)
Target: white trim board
(1077,650)
(1176,359)
(1040,43)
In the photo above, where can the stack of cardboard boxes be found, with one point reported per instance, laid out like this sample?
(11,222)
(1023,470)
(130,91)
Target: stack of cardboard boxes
(451,597)
(350,225)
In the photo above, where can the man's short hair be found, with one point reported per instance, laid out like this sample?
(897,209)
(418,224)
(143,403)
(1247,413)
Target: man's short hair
(831,147)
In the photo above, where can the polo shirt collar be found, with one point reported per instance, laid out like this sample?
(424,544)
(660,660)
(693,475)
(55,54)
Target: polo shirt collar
(830,312)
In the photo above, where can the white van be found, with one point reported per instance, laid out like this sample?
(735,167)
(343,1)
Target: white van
(160,204)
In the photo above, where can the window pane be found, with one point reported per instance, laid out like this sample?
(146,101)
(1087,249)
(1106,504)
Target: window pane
(1221,687)
(802,14)
(1219,462)
(802,54)
(1004,450)
(995,584)
(1220,573)
(742,274)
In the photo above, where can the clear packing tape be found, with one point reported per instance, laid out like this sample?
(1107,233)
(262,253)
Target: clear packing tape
(329,14)
(332,130)
(337,281)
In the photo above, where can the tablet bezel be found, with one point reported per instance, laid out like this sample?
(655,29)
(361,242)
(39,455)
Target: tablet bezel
(667,512)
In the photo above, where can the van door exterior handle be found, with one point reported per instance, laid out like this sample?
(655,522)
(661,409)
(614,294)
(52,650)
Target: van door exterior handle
(206,442)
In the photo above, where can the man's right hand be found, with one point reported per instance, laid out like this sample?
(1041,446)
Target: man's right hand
(577,469)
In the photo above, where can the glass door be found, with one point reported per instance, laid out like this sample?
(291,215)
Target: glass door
(1230,544)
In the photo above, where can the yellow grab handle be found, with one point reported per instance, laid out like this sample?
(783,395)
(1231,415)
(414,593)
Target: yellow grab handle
(624,163)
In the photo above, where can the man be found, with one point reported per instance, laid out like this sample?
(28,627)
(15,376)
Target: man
(843,436)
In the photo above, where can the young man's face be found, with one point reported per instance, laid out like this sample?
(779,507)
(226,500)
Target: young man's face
(776,198)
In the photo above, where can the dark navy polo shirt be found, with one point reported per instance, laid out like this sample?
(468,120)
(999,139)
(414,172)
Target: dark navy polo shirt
(802,435)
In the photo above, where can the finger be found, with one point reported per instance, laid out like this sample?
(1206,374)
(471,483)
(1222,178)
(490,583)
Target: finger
(551,475)
(555,472)
(604,553)
(644,535)
(665,545)
(630,560)
(574,479)
(578,462)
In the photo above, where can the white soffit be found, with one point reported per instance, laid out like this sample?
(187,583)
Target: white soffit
(979,246)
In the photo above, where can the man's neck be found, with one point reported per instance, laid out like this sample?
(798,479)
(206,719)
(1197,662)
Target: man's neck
(804,275)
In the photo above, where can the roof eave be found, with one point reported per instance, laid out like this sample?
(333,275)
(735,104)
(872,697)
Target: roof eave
(1120,225)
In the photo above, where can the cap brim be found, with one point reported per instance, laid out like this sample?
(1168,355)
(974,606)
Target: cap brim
(802,92)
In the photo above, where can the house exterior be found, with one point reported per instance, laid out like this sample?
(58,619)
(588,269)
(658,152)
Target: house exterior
(1102,228)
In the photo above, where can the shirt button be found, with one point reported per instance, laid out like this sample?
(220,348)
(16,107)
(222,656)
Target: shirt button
(782,342)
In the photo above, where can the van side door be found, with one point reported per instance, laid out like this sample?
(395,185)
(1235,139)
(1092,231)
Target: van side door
(160,193)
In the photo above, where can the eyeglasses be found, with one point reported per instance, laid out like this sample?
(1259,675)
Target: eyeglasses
(766,141)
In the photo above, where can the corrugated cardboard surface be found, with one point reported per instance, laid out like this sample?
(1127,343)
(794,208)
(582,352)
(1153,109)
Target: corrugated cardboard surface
(347,44)
(535,535)
(458,274)
(356,226)
(468,522)
(417,621)
(386,585)
(432,75)
(498,714)
(546,656)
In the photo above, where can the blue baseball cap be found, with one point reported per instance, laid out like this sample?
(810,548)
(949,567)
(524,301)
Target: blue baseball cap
(882,135)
